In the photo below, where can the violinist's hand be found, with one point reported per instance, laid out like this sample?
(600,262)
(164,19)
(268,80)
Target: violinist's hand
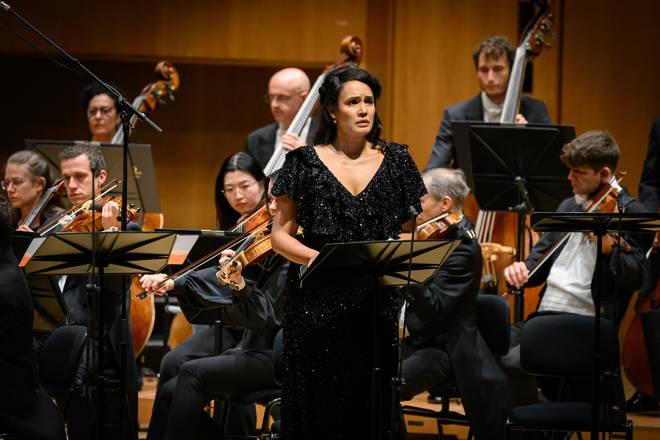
(109,215)
(520,119)
(291,141)
(229,273)
(516,274)
(150,283)
(24,228)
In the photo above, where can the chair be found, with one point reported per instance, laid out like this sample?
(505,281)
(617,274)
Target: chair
(270,397)
(493,325)
(59,359)
(562,346)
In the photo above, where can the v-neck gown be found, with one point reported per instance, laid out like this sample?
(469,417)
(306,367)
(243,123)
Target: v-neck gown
(335,336)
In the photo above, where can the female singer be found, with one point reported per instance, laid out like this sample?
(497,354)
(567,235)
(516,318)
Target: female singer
(246,298)
(351,186)
(27,176)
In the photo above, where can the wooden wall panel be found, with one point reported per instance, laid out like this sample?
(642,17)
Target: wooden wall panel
(433,65)
(610,74)
(227,31)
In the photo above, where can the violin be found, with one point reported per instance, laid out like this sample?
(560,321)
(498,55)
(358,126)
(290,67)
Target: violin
(251,246)
(56,190)
(88,219)
(603,201)
(67,216)
(437,227)
(351,48)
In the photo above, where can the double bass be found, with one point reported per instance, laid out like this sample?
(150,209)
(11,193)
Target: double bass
(496,232)
(142,313)
(351,48)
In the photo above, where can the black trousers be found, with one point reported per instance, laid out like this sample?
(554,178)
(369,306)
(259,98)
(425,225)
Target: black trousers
(423,368)
(41,421)
(192,374)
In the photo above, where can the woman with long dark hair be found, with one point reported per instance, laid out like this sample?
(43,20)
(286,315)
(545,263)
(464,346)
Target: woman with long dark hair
(351,186)
(245,298)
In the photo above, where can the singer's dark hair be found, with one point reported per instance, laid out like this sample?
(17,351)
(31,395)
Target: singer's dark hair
(329,97)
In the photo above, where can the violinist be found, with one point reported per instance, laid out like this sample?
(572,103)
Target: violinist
(287,90)
(101,111)
(84,171)
(591,159)
(245,299)
(493,59)
(444,344)
(27,176)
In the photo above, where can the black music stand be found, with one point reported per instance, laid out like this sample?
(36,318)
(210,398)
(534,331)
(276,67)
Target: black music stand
(116,253)
(514,168)
(600,224)
(389,262)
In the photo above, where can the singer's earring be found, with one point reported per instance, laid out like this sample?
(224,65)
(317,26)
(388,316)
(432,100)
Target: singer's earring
(334,121)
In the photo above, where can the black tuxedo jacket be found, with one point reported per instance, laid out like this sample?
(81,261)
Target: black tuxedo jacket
(649,183)
(443,153)
(261,142)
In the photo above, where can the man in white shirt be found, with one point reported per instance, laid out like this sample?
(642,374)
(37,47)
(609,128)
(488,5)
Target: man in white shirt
(591,159)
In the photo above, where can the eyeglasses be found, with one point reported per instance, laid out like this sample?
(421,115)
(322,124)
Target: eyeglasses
(268,98)
(16,182)
(105,111)
(230,191)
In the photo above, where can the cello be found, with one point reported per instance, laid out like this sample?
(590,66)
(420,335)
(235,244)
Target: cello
(351,47)
(142,313)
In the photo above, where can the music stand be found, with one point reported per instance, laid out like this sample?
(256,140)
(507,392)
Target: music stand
(600,224)
(193,244)
(514,168)
(117,253)
(359,263)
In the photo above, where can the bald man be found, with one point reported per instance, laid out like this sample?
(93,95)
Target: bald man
(287,90)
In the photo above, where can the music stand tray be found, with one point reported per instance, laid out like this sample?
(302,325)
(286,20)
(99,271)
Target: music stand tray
(385,260)
(598,223)
(117,253)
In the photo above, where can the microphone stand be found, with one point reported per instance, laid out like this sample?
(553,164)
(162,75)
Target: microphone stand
(126,112)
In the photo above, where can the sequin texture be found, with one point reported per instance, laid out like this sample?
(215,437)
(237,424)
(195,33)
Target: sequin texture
(333,337)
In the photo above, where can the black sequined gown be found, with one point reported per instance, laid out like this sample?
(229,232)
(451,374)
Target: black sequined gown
(334,336)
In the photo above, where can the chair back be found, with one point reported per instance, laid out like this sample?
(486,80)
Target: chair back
(59,359)
(563,345)
(493,322)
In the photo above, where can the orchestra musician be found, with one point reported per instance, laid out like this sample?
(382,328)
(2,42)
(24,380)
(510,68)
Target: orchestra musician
(247,298)
(649,195)
(493,59)
(591,159)
(84,171)
(287,90)
(350,186)
(27,176)
(26,410)
(444,342)
(101,111)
